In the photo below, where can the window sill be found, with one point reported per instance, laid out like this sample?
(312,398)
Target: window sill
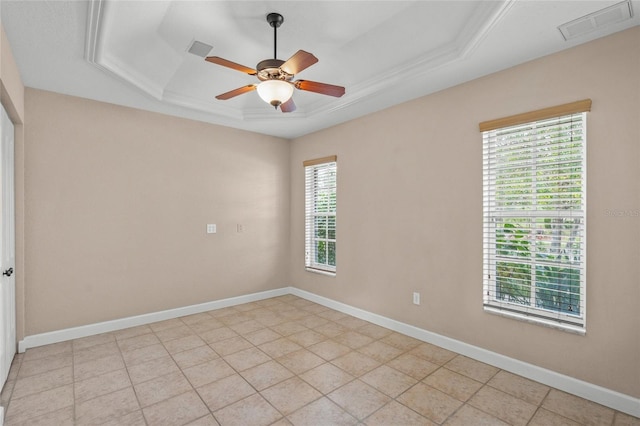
(569,328)
(321,272)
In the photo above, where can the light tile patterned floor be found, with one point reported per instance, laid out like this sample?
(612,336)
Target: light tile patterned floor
(279,361)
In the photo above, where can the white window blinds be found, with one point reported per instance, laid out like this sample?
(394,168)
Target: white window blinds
(534,206)
(320,214)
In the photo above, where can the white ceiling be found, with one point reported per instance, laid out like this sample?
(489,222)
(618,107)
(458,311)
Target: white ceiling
(134,53)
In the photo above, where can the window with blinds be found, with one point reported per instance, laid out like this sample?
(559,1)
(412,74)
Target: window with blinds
(320,214)
(534,204)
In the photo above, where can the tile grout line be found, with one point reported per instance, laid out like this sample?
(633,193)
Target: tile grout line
(244,316)
(539,406)
(126,367)
(250,384)
(185,376)
(221,357)
(485,384)
(322,395)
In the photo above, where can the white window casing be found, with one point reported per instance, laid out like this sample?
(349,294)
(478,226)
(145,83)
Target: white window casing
(320,214)
(534,216)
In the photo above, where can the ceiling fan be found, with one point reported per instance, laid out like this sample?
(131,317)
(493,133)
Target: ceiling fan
(276,76)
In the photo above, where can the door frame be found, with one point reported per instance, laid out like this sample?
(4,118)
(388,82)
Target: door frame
(7,244)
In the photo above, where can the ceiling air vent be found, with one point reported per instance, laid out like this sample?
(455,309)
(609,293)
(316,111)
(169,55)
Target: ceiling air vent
(199,48)
(597,20)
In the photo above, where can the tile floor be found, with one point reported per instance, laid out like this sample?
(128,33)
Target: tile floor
(279,361)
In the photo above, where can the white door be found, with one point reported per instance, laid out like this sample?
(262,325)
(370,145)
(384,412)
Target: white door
(8,249)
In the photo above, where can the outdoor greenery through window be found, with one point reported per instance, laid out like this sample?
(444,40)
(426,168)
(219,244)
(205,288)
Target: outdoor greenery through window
(320,213)
(534,218)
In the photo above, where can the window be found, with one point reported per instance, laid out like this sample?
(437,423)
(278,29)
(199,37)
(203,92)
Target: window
(534,205)
(320,214)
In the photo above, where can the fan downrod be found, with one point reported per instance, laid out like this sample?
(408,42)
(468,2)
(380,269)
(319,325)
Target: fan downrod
(275,20)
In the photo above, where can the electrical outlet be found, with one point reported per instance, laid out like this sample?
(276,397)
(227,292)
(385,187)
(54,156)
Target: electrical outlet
(416,298)
(240,228)
(211,228)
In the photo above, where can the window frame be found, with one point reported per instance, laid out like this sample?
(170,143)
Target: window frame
(492,215)
(314,215)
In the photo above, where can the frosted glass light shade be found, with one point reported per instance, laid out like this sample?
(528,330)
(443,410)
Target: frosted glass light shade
(275,92)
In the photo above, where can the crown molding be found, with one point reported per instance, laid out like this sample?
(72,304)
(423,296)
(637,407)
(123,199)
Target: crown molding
(92,35)
(95,52)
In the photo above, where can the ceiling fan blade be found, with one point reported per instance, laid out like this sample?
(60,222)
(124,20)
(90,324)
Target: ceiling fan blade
(288,106)
(235,92)
(299,61)
(226,63)
(322,88)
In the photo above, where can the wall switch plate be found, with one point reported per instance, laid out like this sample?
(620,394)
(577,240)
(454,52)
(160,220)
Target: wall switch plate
(211,228)
(416,298)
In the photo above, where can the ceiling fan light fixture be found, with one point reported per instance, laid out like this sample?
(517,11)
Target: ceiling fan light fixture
(275,92)
(276,76)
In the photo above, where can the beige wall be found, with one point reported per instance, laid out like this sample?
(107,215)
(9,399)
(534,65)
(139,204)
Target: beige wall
(410,211)
(117,202)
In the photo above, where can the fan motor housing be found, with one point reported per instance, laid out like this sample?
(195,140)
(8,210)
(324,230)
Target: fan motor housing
(269,69)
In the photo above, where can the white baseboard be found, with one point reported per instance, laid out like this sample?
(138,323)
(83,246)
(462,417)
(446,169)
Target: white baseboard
(607,397)
(122,323)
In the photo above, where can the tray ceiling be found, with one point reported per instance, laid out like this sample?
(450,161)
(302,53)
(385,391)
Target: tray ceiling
(135,53)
